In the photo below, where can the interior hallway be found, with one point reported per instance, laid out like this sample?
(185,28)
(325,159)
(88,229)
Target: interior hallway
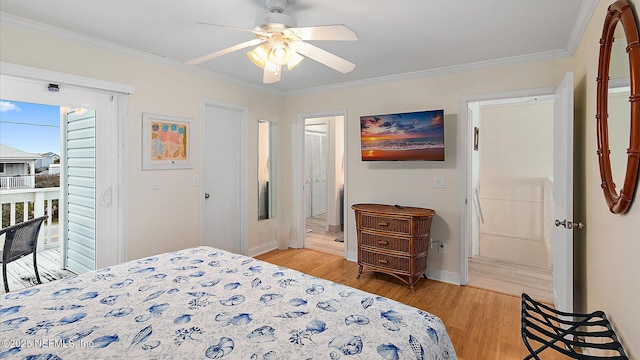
(319,239)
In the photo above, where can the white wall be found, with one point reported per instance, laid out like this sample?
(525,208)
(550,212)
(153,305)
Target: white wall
(411,183)
(607,251)
(166,219)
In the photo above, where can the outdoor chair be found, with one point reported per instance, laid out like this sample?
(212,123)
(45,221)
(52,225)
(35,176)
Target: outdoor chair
(20,240)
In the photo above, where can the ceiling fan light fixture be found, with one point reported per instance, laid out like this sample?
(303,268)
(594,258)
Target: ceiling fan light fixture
(295,60)
(280,42)
(280,53)
(259,56)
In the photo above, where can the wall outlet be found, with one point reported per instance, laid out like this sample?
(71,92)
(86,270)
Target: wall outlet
(441,249)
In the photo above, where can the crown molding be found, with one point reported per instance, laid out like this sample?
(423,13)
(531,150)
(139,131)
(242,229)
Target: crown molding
(584,16)
(19,22)
(523,59)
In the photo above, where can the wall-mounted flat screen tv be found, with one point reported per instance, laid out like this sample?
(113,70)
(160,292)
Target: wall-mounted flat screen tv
(404,136)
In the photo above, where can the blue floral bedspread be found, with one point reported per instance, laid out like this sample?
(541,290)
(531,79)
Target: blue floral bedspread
(203,303)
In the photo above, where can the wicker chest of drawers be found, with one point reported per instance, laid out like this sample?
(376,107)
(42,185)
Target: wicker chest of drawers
(393,240)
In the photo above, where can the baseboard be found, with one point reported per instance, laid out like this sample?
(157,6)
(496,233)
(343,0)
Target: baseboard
(443,276)
(264,248)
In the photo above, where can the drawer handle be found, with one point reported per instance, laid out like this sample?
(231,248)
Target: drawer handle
(383,224)
(382,242)
(382,261)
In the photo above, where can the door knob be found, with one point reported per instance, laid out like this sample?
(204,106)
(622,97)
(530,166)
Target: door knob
(206,195)
(563,223)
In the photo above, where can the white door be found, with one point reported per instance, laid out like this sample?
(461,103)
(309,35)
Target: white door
(221,184)
(99,247)
(562,246)
(315,173)
(78,181)
(308,173)
(318,174)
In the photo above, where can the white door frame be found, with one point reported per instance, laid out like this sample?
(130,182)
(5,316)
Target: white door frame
(117,198)
(466,138)
(297,141)
(562,247)
(244,177)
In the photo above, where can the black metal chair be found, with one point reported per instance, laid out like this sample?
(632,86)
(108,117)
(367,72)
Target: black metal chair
(20,240)
(577,336)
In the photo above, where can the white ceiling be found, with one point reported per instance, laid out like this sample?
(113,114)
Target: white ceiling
(395,38)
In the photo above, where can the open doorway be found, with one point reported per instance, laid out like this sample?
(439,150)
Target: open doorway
(511,179)
(561,241)
(88,228)
(30,184)
(324,184)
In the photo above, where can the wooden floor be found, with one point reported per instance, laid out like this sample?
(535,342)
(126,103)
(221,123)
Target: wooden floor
(319,239)
(20,273)
(484,273)
(508,278)
(482,324)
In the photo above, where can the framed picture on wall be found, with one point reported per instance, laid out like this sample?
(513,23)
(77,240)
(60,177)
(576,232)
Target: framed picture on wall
(165,142)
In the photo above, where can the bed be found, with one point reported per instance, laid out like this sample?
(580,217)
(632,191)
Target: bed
(203,302)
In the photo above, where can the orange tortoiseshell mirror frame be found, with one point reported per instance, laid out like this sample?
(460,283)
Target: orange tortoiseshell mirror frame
(620,12)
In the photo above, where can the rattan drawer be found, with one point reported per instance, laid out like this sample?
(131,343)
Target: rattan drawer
(378,241)
(385,223)
(398,264)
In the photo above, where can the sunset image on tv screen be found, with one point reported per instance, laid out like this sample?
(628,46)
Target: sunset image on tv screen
(403,136)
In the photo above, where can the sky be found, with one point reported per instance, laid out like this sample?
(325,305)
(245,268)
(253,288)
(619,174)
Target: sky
(32,128)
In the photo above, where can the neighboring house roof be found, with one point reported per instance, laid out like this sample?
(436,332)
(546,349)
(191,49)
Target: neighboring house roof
(9,154)
(47,154)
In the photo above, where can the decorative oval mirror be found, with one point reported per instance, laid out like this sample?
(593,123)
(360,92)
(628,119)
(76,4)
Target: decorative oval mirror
(621,14)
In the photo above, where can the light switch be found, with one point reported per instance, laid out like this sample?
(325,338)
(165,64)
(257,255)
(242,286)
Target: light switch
(155,183)
(438,182)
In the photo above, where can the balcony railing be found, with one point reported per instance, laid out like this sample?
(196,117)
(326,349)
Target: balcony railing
(34,203)
(17,182)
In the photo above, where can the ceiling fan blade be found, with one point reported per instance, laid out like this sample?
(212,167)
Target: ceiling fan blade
(230,27)
(322,56)
(324,32)
(228,50)
(271,75)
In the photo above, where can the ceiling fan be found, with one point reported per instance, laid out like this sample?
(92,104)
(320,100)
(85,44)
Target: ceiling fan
(281,43)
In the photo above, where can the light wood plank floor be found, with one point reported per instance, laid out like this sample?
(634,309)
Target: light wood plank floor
(20,273)
(484,273)
(508,278)
(482,324)
(319,239)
